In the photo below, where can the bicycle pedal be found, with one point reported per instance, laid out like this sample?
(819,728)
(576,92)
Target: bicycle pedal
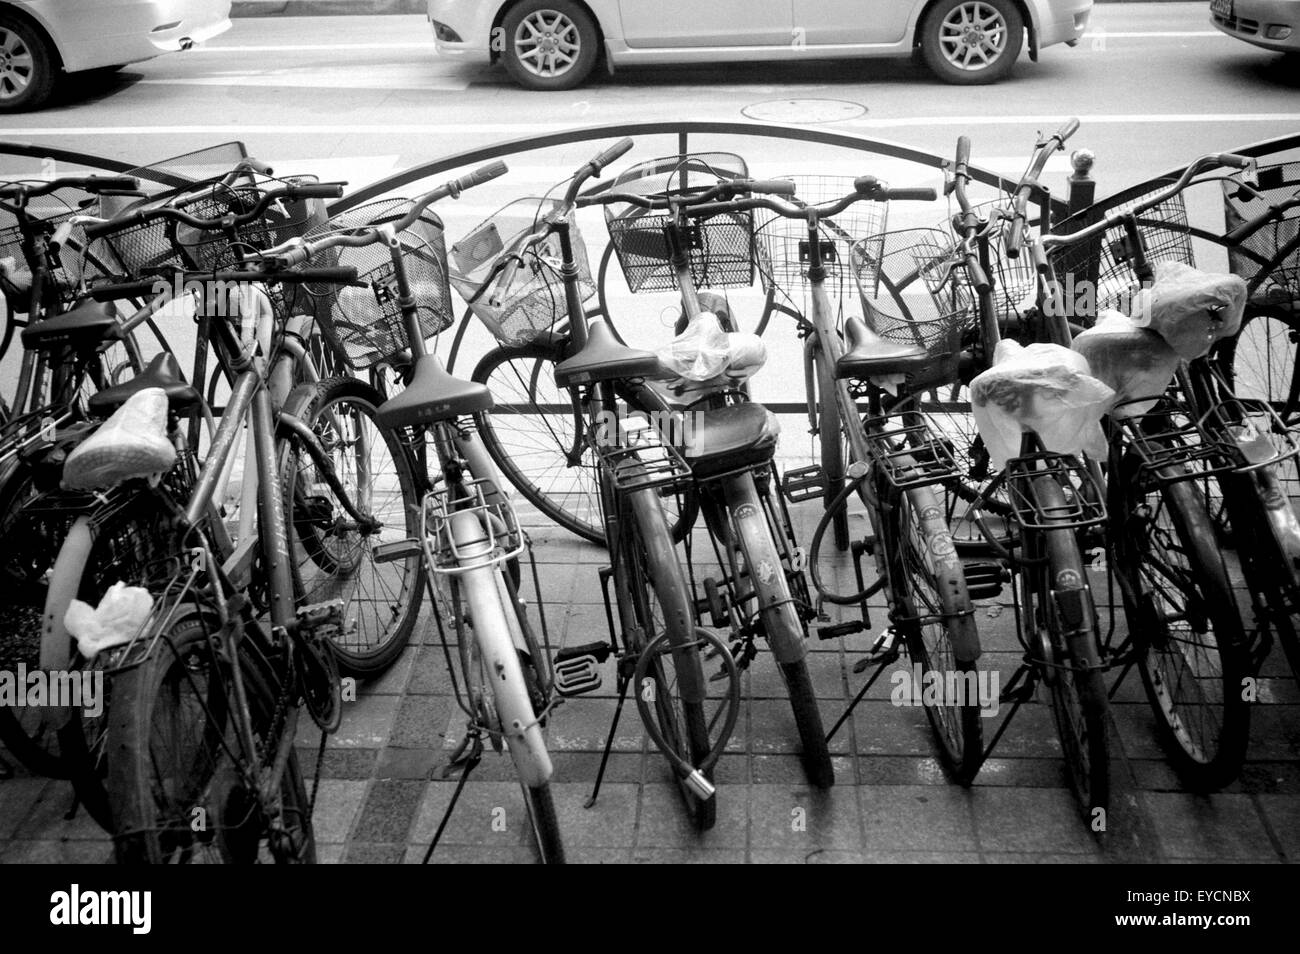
(577,668)
(322,620)
(397,550)
(984,578)
(836,630)
(804,483)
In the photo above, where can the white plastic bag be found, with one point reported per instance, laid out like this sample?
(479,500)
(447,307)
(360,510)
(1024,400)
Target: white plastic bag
(1189,308)
(132,443)
(1043,388)
(704,357)
(1133,361)
(118,618)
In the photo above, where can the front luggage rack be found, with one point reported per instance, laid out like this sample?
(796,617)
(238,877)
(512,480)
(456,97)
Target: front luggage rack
(905,450)
(638,458)
(1084,501)
(1259,437)
(1173,445)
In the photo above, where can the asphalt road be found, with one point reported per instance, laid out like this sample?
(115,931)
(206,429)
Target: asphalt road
(356,98)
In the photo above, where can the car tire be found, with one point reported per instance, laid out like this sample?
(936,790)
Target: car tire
(28,66)
(536,29)
(969,42)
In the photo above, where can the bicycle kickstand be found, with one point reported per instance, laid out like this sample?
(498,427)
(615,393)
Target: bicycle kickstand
(624,680)
(468,755)
(883,652)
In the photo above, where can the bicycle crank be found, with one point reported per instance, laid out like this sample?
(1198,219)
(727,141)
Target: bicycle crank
(319,625)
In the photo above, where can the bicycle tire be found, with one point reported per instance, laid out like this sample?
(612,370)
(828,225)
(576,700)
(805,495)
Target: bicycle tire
(1073,673)
(533,454)
(830,433)
(545,823)
(139,838)
(928,579)
(1207,600)
(337,562)
(1259,361)
(654,569)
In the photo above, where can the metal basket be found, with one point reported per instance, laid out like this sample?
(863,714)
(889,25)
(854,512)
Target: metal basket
(364,325)
(1105,264)
(1015,282)
(782,243)
(47,213)
(535,301)
(720,249)
(1277,184)
(906,451)
(913,293)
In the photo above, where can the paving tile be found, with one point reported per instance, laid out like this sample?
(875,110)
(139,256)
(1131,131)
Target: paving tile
(491,814)
(406,763)
(429,673)
(18,796)
(47,816)
(389,809)
(363,853)
(917,818)
(796,817)
(815,856)
(609,823)
(421,721)
(57,852)
(920,858)
(1208,826)
(1283,815)
(1014,858)
(1031,820)
(338,803)
(471,855)
(392,681)
(663,821)
(365,726)
(686,856)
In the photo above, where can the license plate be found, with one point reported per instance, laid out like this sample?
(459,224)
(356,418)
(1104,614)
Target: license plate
(1221,8)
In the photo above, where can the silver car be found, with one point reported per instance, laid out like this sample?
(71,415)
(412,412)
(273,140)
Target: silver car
(554,44)
(1272,24)
(40,40)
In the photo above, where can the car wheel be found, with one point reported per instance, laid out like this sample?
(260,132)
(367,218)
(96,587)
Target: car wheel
(972,41)
(549,44)
(27,66)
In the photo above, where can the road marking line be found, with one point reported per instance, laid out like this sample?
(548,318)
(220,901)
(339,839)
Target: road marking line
(312,47)
(1146,34)
(383,129)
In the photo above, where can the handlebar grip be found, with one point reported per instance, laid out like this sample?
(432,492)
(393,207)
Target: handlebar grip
(504,282)
(145,288)
(482,174)
(1232,159)
(112,184)
(619,148)
(333,275)
(909,195)
(97,229)
(1015,236)
(315,190)
(977,276)
(256,165)
(768,186)
(963,152)
(1068,129)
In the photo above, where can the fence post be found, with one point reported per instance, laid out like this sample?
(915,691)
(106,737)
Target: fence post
(1085,261)
(1083,188)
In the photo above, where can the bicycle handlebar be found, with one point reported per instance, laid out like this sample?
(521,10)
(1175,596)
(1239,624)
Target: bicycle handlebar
(1275,211)
(144,288)
(92,184)
(1203,164)
(96,228)
(1020,201)
(619,149)
(867,188)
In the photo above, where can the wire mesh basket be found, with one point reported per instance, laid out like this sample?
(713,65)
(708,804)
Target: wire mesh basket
(720,249)
(914,292)
(782,243)
(534,301)
(1015,282)
(1105,265)
(1277,184)
(364,324)
(46,213)
(177,172)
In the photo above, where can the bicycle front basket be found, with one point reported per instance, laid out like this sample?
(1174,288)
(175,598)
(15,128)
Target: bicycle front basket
(721,249)
(1277,184)
(364,325)
(535,300)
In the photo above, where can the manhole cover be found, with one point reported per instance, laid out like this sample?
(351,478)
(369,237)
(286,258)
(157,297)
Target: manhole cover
(804,112)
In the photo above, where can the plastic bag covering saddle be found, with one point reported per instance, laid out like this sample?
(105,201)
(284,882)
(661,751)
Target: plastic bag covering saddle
(132,443)
(1189,308)
(119,616)
(1043,388)
(706,358)
(1133,361)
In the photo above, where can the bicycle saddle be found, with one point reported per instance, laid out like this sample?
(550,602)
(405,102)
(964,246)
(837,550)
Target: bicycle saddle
(870,355)
(602,358)
(728,438)
(433,395)
(162,372)
(82,326)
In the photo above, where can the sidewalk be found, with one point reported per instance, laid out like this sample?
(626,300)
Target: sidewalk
(383,788)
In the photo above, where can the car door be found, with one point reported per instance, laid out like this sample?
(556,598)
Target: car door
(841,22)
(703,23)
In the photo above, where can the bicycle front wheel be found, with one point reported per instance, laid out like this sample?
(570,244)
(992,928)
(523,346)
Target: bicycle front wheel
(333,555)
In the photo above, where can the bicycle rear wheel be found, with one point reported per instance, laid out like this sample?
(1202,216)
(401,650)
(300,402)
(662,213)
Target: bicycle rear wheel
(1192,642)
(178,780)
(935,614)
(332,556)
(1069,657)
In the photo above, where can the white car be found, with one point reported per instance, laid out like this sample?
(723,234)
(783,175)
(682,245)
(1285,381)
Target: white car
(40,40)
(553,44)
